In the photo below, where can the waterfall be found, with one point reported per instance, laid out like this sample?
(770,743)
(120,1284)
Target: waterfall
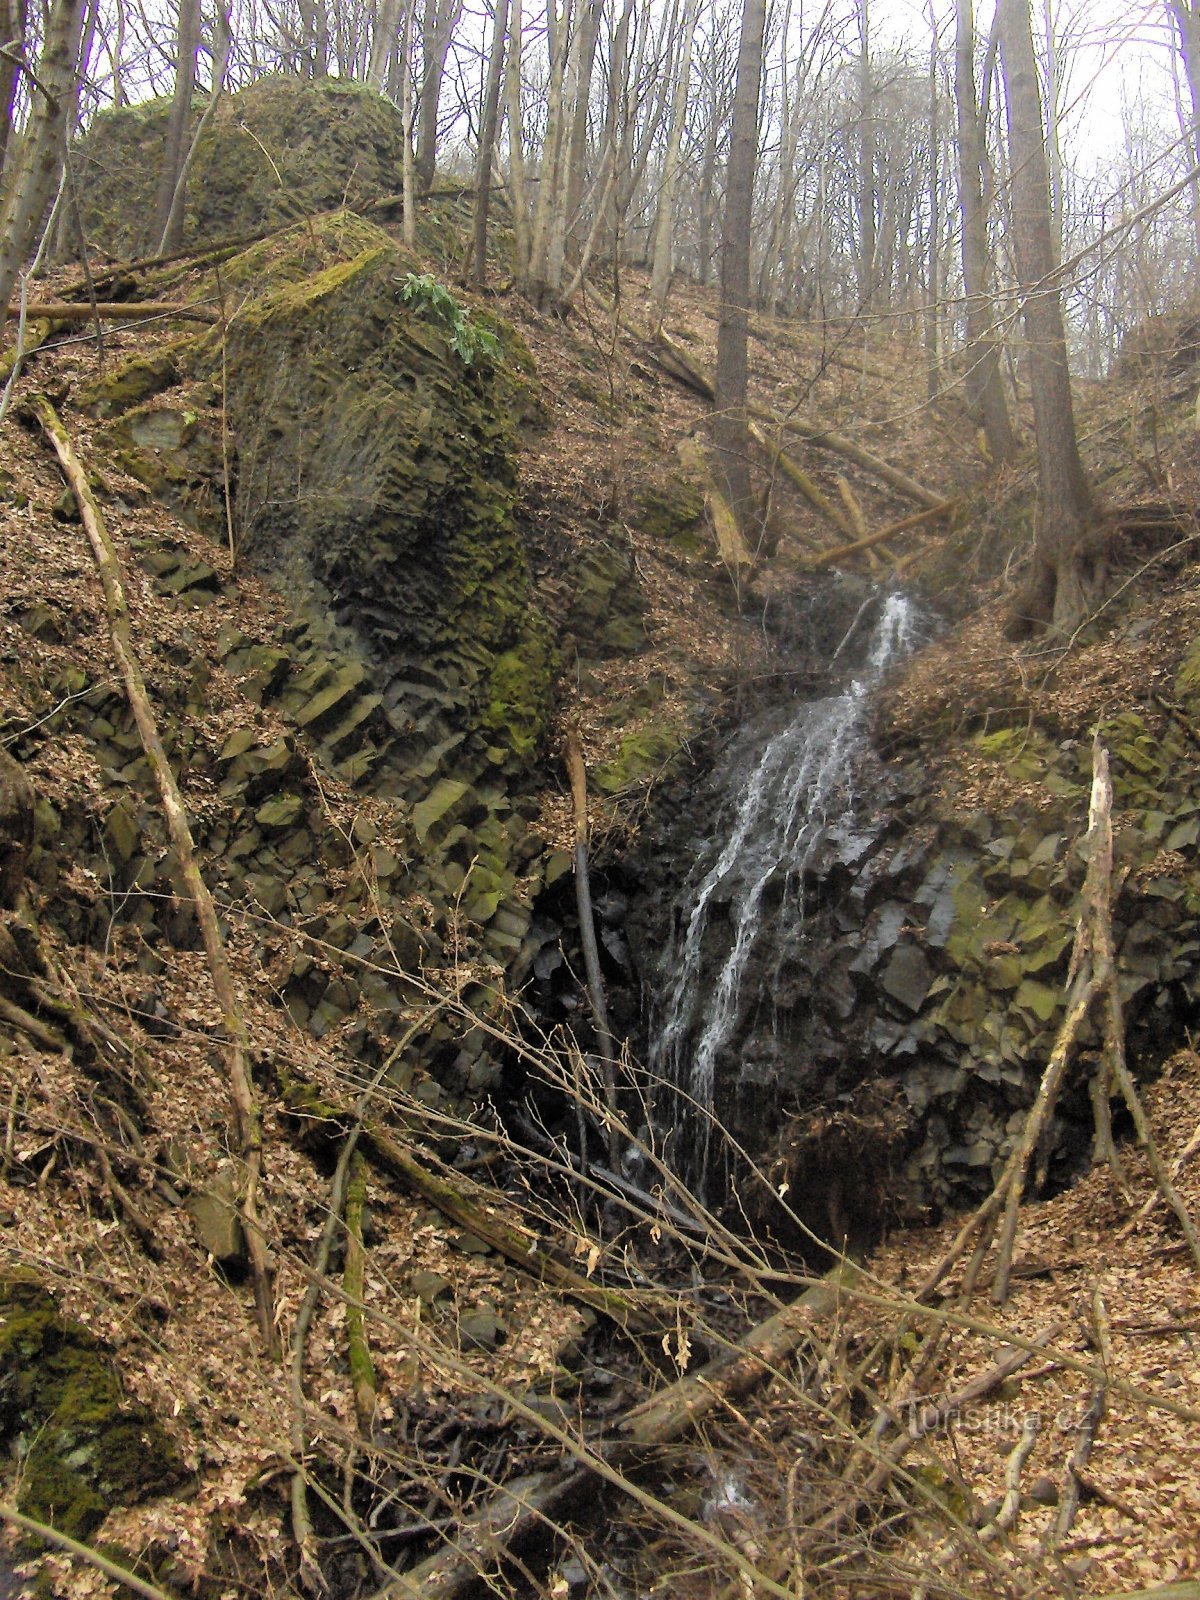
(779,802)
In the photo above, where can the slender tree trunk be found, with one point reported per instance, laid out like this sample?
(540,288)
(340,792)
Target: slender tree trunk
(13,18)
(408,178)
(1053,139)
(660,273)
(1187,24)
(868,246)
(933,286)
(591,13)
(984,381)
(383,44)
(32,165)
(1067,563)
(729,414)
(187,45)
(441,18)
(516,152)
(549,196)
(487,142)
(172,234)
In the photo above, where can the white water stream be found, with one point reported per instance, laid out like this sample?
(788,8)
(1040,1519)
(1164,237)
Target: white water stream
(775,816)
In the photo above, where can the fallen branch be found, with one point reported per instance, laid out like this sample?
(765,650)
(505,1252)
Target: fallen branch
(577,774)
(93,1558)
(115,311)
(827,558)
(1010,1506)
(796,475)
(247,1118)
(830,439)
(520,1509)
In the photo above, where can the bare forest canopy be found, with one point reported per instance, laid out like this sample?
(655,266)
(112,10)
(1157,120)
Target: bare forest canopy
(604,131)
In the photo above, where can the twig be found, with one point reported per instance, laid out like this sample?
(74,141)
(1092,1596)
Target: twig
(247,1116)
(1010,1507)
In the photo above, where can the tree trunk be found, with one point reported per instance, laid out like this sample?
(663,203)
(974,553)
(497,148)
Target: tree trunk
(868,245)
(13,17)
(487,142)
(31,170)
(441,16)
(589,31)
(1067,563)
(168,229)
(1187,23)
(660,274)
(516,152)
(383,43)
(729,413)
(984,380)
(408,176)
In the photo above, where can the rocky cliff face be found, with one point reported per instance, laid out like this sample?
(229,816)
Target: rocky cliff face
(895,1015)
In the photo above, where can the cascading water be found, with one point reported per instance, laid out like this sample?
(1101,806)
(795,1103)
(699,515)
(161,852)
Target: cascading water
(781,801)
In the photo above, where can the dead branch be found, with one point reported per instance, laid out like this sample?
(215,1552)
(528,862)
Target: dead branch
(116,311)
(479,1210)
(830,439)
(519,1509)
(827,558)
(1010,1506)
(362,1368)
(577,774)
(247,1118)
(796,475)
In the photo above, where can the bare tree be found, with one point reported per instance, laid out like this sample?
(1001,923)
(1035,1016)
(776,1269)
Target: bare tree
(1067,560)
(729,414)
(437,29)
(487,142)
(32,163)
(985,381)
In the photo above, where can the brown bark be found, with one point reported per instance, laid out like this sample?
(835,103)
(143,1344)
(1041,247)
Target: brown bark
(168,219)
(487,143)
(984,380)
(118,311)
(32,166)
(730,383)
(247,1118)
(1067,560)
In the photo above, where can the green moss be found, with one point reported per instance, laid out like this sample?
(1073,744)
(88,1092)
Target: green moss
(85,1447)
(517,707)
(671,511)
(644,754)
(281,150)
(134,381)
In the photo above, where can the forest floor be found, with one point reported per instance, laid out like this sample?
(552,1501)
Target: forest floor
(482,1373)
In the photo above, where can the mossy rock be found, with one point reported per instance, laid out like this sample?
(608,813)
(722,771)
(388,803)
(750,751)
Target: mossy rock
(671,510)
(377,472)
(84,1446)
(644,754)
(280,150)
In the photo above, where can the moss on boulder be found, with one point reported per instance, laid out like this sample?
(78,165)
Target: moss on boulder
(280,150)
(83,1446)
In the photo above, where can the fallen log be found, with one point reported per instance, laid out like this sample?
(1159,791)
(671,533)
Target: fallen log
(247,1119)
(114,311)
(830,439)
(796,475)
(918,519)
(479,1211)
(518,1510)
(730,544)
